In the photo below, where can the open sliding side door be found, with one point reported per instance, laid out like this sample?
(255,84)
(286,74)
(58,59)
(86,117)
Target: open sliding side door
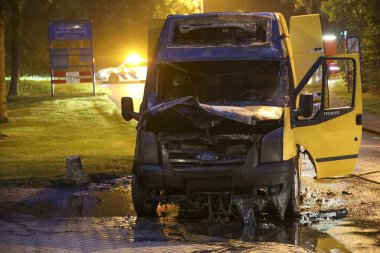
(305,34)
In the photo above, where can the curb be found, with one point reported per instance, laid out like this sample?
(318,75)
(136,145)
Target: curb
(371,123)
(371,131)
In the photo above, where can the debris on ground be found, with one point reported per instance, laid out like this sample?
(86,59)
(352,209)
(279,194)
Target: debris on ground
(3,136)
(121,181)
(322,199)
(106,185)
(79,195)
(99,187)
(309,218)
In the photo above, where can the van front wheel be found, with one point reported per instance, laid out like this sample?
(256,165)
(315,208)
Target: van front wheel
(294,201)
(143,206)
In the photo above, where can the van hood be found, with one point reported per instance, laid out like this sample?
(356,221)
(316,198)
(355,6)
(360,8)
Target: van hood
(205,116)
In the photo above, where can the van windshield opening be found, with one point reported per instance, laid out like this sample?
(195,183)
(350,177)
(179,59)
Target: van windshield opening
(222,30)
(224,82)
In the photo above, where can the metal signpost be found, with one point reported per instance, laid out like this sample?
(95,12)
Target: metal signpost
(71,52)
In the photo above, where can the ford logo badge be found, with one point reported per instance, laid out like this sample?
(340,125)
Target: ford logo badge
(207,156)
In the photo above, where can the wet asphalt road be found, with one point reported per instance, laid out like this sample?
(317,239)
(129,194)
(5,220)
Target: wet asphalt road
(89,220)
(126,89)
(101,218)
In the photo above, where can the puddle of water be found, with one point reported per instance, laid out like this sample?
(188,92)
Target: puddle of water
(188,226)
(110,203)
(175,224)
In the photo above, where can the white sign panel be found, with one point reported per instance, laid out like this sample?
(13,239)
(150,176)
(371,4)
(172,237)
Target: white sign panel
(72,77)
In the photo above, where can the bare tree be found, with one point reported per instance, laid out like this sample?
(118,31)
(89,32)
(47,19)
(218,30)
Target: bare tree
(3,89)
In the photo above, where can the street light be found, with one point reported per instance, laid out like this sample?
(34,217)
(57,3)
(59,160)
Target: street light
(329,37)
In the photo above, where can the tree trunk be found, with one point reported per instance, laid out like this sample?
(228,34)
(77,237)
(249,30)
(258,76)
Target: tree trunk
(16,48)
(311,6)
(3,89)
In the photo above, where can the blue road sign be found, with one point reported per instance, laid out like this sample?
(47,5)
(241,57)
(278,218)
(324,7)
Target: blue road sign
(71,52)
(70,31)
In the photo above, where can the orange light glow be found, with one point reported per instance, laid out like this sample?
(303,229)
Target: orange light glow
(136,91)
(134,59)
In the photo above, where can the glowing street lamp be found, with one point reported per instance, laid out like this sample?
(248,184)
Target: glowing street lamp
(329,37)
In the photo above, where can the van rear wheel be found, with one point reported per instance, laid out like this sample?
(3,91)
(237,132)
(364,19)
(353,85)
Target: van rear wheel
(143,206)
(294,201)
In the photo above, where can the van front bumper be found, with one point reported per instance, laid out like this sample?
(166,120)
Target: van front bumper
(260,181)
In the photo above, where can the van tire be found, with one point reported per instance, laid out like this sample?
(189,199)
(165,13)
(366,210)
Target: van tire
(294,200)
(142,206)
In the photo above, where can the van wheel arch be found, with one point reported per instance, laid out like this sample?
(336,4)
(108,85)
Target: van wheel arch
(303,150)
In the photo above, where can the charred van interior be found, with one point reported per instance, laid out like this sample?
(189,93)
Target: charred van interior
(221,82)
(175,123)
(218,96)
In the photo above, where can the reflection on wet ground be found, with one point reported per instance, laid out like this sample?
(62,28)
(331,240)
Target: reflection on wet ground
(134,90)
(69,203)
(172,223)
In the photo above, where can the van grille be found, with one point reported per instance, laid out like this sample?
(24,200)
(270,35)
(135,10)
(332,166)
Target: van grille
(188,154)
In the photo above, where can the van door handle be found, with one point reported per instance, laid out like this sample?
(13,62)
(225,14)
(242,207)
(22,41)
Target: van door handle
(359,119)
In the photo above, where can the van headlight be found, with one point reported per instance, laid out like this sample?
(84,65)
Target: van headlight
(271,146)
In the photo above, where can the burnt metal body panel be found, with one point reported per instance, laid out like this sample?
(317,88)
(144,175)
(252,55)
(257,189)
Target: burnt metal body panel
(162,176)
(205,116)
(224,162)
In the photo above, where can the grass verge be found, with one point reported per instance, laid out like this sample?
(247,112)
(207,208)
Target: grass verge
(43,131)
(371,102)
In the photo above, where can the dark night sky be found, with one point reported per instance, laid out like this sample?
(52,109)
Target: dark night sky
(118,29)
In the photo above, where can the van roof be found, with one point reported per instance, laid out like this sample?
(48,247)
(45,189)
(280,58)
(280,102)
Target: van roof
(176,16)
(169,51)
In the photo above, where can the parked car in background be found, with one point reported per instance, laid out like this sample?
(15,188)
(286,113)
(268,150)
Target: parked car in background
(131,70)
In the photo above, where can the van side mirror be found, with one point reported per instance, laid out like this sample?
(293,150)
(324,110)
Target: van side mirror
(127,109)
(306,106)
